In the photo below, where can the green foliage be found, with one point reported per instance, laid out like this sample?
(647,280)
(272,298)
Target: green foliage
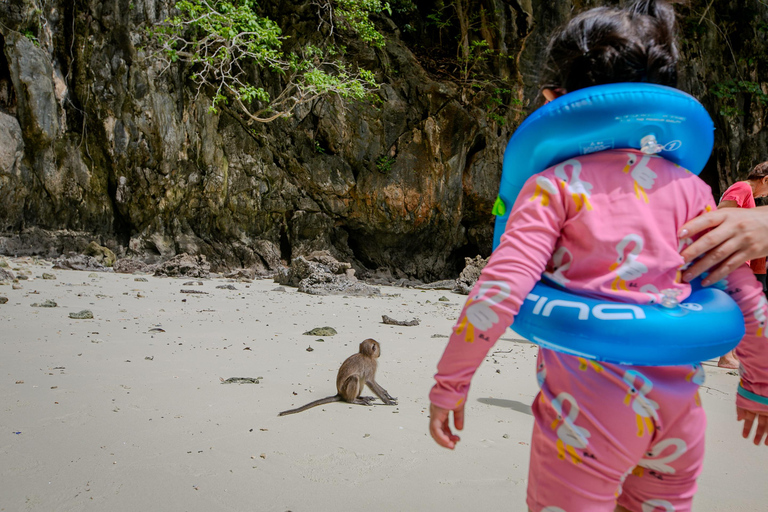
(356,13)
(384,163)
(225,41)
(32,37)
(730,91)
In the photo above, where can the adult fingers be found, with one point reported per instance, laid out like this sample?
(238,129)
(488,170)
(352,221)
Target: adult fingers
(702,223)
(711,241)
(718,263)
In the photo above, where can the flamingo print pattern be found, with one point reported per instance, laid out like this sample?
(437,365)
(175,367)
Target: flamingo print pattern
(644,407)
(642,176)
(658,506)
(626,266)
(561,261)
(579,189)
(569,436)
(544,189)
(654,461)
(478,312)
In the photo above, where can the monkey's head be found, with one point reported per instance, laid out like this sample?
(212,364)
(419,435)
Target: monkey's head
(370,348)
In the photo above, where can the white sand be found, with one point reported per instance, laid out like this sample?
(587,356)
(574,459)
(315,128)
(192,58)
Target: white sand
(88,423)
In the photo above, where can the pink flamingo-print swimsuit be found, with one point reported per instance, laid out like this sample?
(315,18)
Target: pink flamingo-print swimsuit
(606,225)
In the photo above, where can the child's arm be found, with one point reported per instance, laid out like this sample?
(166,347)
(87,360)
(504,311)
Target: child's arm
(752,351)
(517,264)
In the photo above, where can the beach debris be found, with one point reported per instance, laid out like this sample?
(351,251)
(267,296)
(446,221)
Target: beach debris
(199,292)
(406,323)
(47,303)
(241,380)
(279,289)
(48,276)
(185,265)
(3,300)
(102,254)
(322,331)
(93,274)
(470,274)
(19,382)
(149,358)
(140,279)
(444,299)
(155,329)
(310,349)
(439,336)
(226,287)
(82,315)
(74,261)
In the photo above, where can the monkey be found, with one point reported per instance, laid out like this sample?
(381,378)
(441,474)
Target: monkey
(357,371)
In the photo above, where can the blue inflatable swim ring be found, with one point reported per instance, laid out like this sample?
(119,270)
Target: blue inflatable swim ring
(653,119)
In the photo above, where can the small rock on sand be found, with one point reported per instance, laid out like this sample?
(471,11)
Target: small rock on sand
(322,331)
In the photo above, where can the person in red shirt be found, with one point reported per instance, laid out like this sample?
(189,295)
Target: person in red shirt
(742,194)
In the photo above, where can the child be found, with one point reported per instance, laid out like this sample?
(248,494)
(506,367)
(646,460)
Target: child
(606,436)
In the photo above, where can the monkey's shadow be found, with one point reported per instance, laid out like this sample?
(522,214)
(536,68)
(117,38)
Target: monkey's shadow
(512,404)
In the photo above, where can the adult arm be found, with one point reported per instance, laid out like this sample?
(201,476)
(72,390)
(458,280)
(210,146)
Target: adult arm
(737,235)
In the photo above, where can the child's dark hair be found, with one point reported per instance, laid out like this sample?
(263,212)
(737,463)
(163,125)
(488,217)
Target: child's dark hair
(609,45)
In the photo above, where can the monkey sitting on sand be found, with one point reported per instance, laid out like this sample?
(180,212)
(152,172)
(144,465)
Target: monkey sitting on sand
(356,372)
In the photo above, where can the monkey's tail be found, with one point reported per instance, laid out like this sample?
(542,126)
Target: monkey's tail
(326,400)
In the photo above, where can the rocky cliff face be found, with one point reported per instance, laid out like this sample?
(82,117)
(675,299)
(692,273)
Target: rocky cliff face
(99,142)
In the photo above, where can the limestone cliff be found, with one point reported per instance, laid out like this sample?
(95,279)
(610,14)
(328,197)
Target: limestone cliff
(99,142)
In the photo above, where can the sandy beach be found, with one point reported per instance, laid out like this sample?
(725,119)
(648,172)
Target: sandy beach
(127,411)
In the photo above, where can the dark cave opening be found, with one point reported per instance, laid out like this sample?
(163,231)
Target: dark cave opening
(7,91)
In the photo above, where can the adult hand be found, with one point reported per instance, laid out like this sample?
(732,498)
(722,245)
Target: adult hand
(750,418)
(440,428)
(737,235)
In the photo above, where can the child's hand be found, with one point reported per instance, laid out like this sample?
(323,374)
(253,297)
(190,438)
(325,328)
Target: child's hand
(439,425)
(749,418)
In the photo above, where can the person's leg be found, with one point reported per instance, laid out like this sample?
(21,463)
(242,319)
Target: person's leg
(729,361)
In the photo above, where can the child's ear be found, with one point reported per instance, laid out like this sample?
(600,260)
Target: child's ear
(551,94)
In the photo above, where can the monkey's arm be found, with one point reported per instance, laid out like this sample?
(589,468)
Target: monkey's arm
(381,393)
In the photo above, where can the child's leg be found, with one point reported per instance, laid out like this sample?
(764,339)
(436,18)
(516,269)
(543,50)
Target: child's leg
(594,423)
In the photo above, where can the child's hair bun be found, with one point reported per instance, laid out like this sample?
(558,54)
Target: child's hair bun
(608,45)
